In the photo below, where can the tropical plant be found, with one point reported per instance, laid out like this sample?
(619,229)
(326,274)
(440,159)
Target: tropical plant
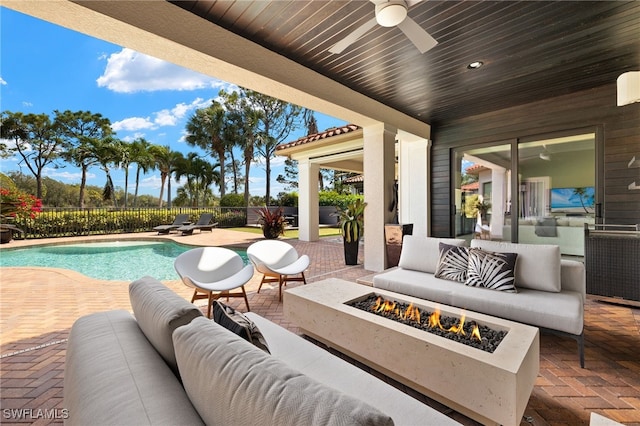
(271,221)
(207,129)
(143,157)
(351,220)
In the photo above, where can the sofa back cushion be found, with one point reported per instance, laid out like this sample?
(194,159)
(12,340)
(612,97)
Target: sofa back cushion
(231,382)
(537,266)
(422,253)
(159,311)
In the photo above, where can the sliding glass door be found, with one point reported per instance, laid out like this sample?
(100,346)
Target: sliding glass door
(534,190)
(557,191)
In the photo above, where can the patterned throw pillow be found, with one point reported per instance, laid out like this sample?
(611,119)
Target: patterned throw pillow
(492,270)
(453,263)
(239,324)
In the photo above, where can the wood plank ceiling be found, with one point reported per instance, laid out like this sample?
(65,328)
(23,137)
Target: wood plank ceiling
(531,50)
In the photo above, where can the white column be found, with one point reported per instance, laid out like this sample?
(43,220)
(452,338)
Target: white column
(308,210)
(379,176)
(413,181)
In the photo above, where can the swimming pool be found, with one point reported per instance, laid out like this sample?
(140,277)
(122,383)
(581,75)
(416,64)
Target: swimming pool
(113,260)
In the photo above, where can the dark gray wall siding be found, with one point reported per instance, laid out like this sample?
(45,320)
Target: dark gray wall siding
(594,108)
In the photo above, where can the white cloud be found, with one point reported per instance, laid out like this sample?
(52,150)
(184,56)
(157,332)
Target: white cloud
(65,176)
(128,71)
(133,124)
(170,117)
(164,117)
(133,137)
(3,81)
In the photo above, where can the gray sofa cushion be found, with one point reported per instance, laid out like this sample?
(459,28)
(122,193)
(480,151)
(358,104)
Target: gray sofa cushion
(557,311)
(537,266)
(422,253)
(231,382)
(113,376)
(159,311)
(339,374)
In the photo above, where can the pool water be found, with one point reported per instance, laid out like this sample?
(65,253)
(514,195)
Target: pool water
(114,260)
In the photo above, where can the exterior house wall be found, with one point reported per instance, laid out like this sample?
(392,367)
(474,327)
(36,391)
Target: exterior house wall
(617,148)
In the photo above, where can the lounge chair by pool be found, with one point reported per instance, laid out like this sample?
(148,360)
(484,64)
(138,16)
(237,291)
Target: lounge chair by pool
(203,224)
(177,223)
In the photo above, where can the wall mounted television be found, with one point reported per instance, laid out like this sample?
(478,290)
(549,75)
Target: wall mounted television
(573,201)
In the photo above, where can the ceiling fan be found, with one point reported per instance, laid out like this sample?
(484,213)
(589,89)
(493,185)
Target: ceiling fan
(390,13)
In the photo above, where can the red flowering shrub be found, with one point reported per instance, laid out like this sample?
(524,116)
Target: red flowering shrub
(18,205)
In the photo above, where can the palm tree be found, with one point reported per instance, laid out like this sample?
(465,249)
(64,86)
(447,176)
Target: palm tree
(142,155)
(206,129)
(165,161)
(199,174)
(582,195)
(109,152)
(243,121)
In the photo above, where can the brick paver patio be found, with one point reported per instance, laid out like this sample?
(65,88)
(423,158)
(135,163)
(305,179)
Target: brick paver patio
(39,305)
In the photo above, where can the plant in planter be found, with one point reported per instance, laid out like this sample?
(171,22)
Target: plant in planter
(351,223)
(272,222)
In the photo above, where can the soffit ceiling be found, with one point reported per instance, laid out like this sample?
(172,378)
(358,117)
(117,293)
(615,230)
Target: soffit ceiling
(532,50)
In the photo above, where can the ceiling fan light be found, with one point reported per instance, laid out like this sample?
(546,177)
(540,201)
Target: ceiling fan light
(391,14)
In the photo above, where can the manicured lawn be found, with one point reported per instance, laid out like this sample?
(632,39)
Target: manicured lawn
(291,233)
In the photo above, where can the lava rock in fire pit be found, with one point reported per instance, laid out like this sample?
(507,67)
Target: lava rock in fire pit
(457,329)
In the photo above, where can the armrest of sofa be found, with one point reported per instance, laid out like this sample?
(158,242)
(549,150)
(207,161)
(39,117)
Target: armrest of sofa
(573,277)
(114,376)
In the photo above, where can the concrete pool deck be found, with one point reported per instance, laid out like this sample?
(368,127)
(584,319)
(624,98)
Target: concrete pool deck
(39,305)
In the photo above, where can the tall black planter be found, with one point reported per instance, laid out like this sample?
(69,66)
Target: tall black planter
(351,252)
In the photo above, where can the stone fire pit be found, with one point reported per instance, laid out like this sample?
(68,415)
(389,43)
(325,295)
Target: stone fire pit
(492,388)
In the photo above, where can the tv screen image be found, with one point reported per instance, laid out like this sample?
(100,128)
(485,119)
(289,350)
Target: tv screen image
(577,200)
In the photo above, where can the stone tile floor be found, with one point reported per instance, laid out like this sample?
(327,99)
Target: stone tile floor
(39,305)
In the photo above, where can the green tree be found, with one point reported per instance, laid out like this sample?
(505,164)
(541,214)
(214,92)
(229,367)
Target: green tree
(165,161)
(200,174)
(206,130)
(109,152)
(242,120)
(276,120)
(84,132)
(36,141)
(142,156)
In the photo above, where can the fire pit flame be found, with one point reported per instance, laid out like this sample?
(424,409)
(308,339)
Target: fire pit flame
(476,333)
(459,329)
(479,336)
(434,320)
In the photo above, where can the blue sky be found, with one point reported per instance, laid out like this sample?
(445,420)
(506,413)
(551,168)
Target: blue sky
(44,67)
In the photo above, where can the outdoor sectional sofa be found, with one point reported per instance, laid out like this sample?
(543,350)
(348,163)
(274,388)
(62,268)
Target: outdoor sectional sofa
(550,291)
(170,365)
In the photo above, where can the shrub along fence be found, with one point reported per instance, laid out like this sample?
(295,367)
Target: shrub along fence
(101,221)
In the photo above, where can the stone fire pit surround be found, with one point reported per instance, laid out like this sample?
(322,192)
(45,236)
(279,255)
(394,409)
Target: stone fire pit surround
(492,388)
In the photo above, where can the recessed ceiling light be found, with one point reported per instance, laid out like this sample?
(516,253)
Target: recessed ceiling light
(475,65)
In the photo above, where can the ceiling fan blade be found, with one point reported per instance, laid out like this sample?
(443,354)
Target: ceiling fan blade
(414,32)
(340,46)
